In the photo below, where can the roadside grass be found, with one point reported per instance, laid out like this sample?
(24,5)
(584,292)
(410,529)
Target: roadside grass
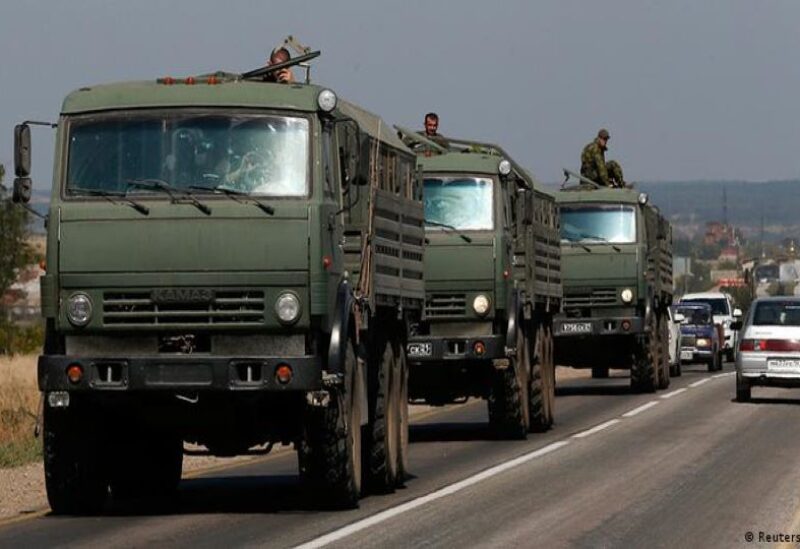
(19,401)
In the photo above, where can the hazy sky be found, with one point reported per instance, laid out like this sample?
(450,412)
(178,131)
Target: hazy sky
(690,89)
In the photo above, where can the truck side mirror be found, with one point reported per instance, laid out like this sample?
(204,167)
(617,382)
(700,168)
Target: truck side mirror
(678,318)
(737,313)
(22,190)
(22,150)
(736,325)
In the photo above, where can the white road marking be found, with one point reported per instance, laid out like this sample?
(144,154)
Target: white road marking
(726,374)
(698,383)
(640,409)
(673,393)
(383,516)
(596,429)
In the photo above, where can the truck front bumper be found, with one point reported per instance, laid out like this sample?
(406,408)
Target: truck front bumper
(439,348)
(577,327)
(179,372)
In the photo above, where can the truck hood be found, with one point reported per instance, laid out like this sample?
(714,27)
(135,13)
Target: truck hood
(173,238)
(601,266)
(448,257)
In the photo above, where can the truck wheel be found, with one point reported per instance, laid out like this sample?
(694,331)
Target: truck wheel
(147,466)
(331,463)
(599,372)
(550,370)
(644,370)
(742,390)
(663,352)
(541,389)
(508,398)
(380,448)
(74,466)
(402,432)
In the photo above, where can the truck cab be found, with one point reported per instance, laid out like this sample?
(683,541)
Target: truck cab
(617,272)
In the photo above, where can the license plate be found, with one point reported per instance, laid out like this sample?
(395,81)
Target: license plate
(784,364)
(577,328)
(687,355)
(416,350)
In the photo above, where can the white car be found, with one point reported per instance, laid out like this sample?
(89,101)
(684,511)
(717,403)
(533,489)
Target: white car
(724,313)
(675,320)
(769,352)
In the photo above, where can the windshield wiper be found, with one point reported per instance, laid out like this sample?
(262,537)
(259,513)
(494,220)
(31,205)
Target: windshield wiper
(451,228)
(234,195)
(601,239)
(111,196)
(160,185)
(578,242)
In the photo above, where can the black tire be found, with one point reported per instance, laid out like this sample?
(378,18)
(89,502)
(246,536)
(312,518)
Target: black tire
(75,471)
(380,448)
(402,432)
(743,390)
(330,458)
(676,370)
(541,391)
(663,352)
(730,355)
(508,397)
(644,370)
(146,466)
(599,372)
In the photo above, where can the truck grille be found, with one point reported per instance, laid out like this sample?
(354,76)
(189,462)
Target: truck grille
(593,298)
(227,308)
(446,305)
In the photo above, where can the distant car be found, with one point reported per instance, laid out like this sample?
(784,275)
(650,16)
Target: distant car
(675,320)
(769,352)
(700,336)
(724,314)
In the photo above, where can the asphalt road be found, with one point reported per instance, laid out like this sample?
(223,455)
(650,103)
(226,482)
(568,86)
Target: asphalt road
(684,467)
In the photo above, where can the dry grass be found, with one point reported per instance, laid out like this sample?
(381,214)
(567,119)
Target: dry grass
(19,399)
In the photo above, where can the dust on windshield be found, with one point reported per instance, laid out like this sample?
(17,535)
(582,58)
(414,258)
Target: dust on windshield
(597,224)
(464,203)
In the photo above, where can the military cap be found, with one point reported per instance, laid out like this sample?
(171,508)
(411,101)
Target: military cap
(603,134)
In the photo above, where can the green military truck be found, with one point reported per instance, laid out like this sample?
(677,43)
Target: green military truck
(617,268)
(230,263)
(493,284)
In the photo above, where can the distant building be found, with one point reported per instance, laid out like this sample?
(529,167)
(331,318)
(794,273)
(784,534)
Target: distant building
(729,254)
(718,233)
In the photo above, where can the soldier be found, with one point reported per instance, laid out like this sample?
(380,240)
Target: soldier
(284,76)
(614,171)
(432,130)
(593,162)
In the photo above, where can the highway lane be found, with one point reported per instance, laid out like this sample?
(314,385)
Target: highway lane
(693,468)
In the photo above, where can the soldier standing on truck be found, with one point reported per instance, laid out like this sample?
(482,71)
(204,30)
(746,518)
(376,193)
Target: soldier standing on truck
(432,130)
(593,162)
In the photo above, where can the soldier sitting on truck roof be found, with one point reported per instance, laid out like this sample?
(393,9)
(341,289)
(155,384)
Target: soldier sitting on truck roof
(615,176)
(593,162)
(284,76)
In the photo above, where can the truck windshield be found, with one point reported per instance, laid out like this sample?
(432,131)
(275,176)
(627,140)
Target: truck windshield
(464,203)
(258,155)
(597,224)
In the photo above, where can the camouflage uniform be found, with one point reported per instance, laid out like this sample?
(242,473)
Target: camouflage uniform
(614,171)
(593,163)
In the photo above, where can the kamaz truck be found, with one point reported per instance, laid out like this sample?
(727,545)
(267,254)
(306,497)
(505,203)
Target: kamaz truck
(617,271)
(233,264)
(493,284)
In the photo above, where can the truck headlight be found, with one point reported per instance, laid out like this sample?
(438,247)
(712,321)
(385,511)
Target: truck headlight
(626,295)
(703,342)
(287,308)
(79,309)
(326,100)
(480,304)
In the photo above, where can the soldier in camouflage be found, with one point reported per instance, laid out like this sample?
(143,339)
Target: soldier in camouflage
(593,161)
(614,171)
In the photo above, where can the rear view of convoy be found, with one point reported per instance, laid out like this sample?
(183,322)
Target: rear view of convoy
(235,263)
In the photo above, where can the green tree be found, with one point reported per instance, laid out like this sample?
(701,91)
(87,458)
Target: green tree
(14,249)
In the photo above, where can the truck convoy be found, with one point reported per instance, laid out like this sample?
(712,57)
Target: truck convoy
(617,271)
(230,263)
(493,284)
